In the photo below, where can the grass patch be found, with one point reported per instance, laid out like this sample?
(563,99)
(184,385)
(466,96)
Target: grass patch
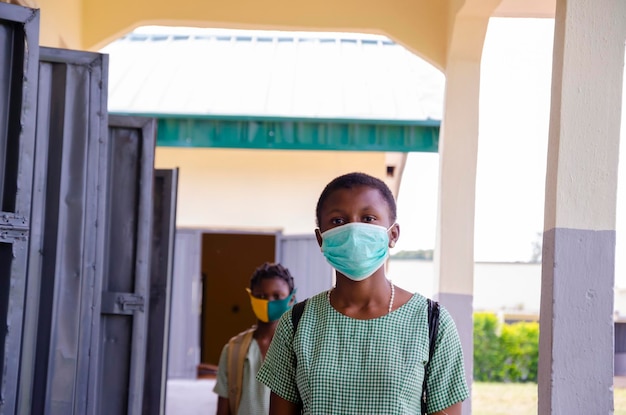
(504,398)
(519,399)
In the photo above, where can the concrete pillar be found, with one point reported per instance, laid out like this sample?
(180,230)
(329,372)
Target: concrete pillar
(576,335)
(454,251)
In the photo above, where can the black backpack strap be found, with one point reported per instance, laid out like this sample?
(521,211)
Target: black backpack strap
(433,327)
(296,313)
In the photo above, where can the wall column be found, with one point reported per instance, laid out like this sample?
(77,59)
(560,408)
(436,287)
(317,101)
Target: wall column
(576,336)
(454,251)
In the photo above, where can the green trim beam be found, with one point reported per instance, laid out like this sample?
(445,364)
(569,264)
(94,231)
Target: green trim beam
(297,133)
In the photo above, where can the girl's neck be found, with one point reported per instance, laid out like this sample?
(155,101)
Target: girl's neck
(371,294)
(263,335)
(265,330)
(363,289)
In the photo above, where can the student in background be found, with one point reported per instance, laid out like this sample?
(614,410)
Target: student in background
(271,293)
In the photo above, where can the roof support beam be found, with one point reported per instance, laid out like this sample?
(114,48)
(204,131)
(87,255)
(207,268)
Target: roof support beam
(298,134)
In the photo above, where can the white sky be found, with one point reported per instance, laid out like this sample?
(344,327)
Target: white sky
(513,137)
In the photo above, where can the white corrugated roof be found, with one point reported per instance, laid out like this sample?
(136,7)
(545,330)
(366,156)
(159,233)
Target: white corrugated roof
(163,70)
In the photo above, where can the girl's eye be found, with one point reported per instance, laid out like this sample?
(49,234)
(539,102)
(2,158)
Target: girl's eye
(369,219)
(337,221)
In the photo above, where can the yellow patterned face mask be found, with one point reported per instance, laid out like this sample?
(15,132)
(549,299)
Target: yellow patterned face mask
(266,310)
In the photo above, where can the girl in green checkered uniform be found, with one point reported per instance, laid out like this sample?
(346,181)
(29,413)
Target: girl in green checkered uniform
(361,347)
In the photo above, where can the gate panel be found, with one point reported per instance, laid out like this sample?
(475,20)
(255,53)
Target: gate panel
(65,260)
(19,52)
(164,229)
(125,289)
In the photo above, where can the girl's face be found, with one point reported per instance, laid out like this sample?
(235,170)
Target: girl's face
(271,289)
(359,204)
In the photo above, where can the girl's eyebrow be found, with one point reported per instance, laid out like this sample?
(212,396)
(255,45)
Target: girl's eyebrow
(369,209)
(335,211)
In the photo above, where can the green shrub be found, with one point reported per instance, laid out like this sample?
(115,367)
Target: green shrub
(505,352)
(487,356)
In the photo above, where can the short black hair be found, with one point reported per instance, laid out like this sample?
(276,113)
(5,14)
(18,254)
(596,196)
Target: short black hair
(356,179)
(270,270)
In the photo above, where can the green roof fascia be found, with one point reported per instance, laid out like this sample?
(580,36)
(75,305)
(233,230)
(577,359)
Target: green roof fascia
(285,133)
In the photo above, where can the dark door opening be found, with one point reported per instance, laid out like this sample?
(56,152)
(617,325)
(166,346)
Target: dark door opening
(228,261)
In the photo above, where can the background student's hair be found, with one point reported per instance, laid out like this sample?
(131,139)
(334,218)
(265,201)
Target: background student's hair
(271,270)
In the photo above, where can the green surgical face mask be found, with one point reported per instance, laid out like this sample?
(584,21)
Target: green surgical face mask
(268,311)
(356,249)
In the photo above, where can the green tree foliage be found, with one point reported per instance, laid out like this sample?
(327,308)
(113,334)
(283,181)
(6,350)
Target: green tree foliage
(505,352)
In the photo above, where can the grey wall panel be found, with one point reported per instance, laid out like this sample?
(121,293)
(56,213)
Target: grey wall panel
(126,279)
(19,54)
(301,255)
(66,253)
(184,349)
(161,271)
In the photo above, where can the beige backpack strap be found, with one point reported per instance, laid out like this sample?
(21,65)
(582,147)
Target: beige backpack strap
(237,351)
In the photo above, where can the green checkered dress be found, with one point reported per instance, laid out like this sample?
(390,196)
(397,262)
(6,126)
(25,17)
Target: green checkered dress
(340,365)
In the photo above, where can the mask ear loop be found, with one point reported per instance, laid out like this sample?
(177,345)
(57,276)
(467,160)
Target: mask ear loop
(391,243)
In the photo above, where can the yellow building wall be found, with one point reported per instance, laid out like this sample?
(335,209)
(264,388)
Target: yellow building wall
(257,189)
(61,23)
(420,25)
(423,26)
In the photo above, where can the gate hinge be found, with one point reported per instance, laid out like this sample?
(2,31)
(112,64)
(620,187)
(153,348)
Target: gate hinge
(122,303)
(13,222)
(13,227)
(10,236)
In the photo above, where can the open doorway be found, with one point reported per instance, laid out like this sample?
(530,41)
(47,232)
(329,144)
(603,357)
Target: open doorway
(228,261)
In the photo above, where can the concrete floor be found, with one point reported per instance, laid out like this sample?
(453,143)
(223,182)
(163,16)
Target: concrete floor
(190,397)
(196,397)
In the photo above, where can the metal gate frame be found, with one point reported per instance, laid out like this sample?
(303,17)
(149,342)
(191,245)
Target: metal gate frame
(123,328)
(66,252)
(19,53)
(161,275)
(70,179)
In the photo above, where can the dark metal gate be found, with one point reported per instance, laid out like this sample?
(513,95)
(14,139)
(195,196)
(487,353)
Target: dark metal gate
(162,269)
(19,54)
(126,280)
(86,237)
(66,248)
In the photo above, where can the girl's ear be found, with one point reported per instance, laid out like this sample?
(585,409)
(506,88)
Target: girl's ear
(394,234)
(318,236)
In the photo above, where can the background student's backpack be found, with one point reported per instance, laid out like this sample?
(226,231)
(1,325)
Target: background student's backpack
(237,350)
